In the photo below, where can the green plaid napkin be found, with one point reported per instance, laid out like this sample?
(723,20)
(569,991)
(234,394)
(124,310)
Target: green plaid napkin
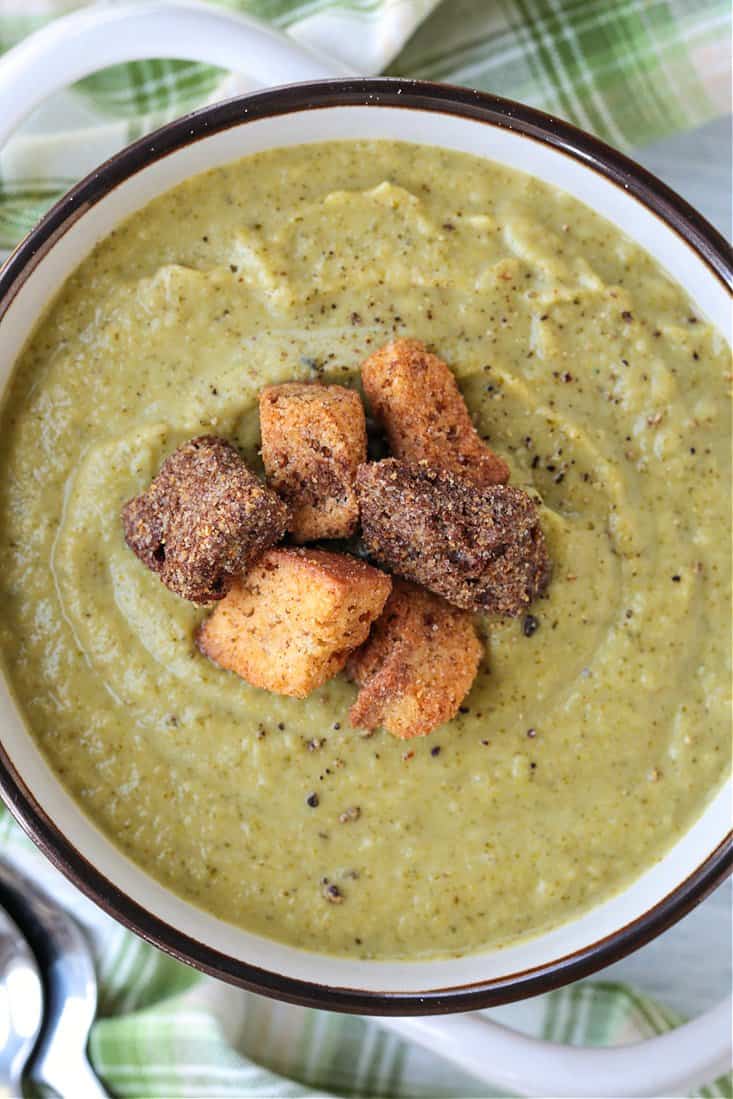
(631,71)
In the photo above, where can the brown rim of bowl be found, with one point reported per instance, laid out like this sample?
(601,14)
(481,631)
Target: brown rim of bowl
(415,95)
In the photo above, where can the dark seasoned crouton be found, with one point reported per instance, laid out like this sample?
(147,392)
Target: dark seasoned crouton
(204,519)
(292,621)
(480,548)
(417,665)
(313,440)
(415,396)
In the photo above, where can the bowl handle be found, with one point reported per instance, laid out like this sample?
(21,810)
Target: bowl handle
(85,41)
(672,1064)
(90,39)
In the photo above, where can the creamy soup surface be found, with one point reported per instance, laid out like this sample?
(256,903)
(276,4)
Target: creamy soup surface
(583,751)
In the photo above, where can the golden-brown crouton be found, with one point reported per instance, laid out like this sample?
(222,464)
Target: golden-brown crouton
(291,622)
(313,440)
(415,397)
(204,519)
(417,666)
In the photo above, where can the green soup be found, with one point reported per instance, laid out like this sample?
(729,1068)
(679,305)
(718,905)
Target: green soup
(583,751)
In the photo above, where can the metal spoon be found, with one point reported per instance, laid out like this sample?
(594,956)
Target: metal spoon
(59,1060)
(21,1005)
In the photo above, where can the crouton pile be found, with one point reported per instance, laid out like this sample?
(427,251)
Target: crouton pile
(451,537)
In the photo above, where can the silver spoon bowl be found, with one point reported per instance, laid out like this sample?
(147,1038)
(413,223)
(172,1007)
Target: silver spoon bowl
(59,1060)
(21,1005)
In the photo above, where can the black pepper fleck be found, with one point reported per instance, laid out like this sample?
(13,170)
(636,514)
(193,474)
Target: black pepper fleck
(530,625)
(313,800)
(435,751)
(331,892)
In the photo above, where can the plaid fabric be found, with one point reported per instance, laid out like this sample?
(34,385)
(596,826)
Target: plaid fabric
(631,71)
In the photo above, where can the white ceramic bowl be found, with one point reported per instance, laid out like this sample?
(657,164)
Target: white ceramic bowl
(453,118)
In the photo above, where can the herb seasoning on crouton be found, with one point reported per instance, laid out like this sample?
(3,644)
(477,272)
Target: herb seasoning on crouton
(313,441)
(204,520)
(417,666)
(480,548)
(415,396)
(291,622)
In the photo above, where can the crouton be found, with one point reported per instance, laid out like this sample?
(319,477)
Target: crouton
(204,520)
(313,440)
(292,621)
(417,665)
(482,549)
(414,395)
